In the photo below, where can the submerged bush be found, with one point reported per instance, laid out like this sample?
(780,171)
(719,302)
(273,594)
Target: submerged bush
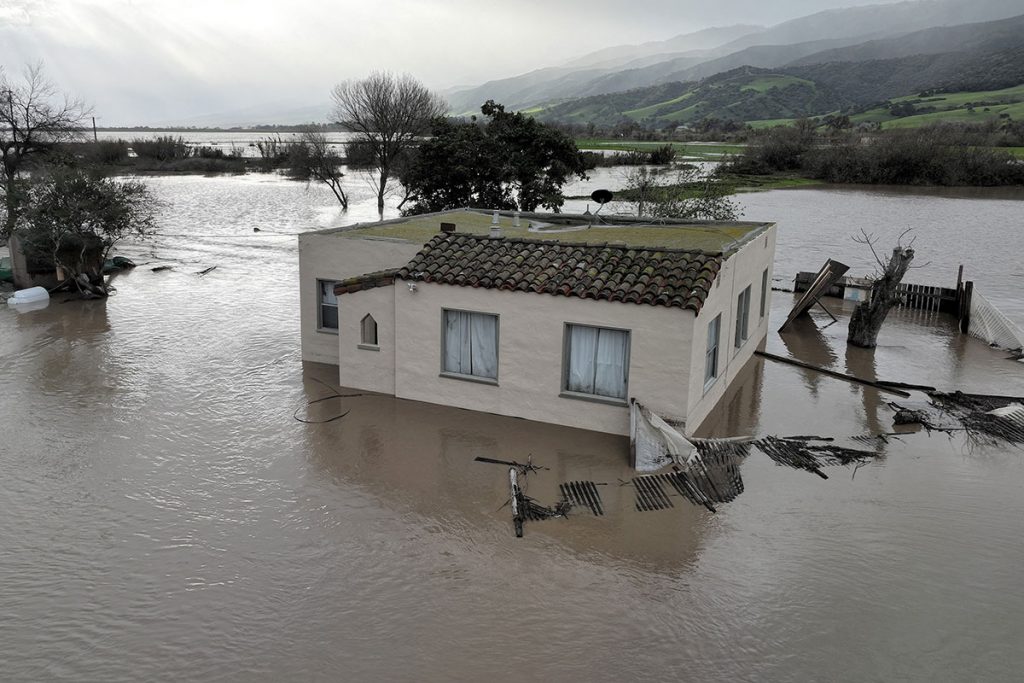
(105,152)
(934,155)
(163,148)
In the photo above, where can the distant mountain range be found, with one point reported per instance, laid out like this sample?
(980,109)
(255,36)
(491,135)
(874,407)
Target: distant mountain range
(824,62)
(986,56)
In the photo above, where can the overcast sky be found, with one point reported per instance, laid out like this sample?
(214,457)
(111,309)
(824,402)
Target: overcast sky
(156,61)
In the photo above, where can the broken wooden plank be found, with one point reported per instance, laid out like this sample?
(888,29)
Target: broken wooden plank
(832,373)
(826,277)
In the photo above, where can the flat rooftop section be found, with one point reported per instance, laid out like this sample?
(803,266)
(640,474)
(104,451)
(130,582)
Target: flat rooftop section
(707,236)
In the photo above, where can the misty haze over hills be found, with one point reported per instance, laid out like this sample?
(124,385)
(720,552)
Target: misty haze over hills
(855,34)
(141,66)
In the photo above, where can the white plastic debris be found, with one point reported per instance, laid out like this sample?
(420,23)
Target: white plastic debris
(29,296)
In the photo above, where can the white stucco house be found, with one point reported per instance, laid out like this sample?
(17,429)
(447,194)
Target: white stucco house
(558,319)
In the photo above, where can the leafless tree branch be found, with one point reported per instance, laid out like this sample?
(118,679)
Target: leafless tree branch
(386,112)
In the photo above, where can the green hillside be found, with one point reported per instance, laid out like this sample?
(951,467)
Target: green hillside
(965,85)
(742,94)
(973,106)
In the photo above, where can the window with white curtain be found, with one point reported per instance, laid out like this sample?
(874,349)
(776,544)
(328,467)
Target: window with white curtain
(711,355)
(742,317)
(470,344)
(327,306)
(596,361)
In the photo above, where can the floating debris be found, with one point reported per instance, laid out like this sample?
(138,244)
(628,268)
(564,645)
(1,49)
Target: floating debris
(535,512)
(523,507)
(790,453)
(716,471)
(996,418)
(524,468)
(583,494)
(876,440)
(905,416)
(653,441)
(649,494)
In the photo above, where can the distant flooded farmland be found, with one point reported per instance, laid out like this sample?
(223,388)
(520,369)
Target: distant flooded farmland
(166,517)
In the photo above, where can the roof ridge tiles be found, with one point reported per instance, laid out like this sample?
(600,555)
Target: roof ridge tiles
(678,278)
(487,239)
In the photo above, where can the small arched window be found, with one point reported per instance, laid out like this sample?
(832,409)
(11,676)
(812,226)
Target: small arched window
(369,330)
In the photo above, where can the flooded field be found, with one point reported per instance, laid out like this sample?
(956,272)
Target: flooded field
(165,517)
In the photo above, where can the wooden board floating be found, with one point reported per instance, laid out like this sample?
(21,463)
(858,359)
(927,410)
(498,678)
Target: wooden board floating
(583,494)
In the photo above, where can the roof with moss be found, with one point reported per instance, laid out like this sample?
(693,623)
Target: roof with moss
(674,278)
(713,237)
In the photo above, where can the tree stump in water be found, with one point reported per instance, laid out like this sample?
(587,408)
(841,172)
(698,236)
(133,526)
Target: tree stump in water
(869,315)
(91,288)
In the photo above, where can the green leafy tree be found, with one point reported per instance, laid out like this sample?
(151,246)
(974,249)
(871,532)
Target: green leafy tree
(73,218)
(507,161)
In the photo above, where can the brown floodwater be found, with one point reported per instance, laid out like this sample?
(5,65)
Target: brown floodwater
(164,517)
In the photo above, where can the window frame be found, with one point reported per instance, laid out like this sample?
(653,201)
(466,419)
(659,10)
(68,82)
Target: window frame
(363,343)
(709,381)
(481,379)
(565,392)
(320,327)
(742,332)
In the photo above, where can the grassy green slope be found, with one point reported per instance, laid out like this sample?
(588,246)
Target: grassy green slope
(742,94)
(766,83)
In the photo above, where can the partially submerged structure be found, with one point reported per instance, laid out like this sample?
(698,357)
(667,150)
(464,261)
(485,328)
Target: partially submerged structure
(548,317)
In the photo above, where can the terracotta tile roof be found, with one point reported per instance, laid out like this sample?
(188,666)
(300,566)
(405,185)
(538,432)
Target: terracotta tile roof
(381,278)
(659,277)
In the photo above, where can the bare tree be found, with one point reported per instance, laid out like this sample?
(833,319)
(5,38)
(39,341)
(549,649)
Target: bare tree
(34,117)
(386,112)
(312,158)
(869,315)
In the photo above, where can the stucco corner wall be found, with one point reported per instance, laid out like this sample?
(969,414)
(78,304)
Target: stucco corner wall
(335,256)
(744,268)
(359,366)
(530,332)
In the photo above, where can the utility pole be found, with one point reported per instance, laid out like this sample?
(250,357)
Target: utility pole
(95,138)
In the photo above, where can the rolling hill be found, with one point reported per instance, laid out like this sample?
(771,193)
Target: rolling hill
(984,56)
(702,54)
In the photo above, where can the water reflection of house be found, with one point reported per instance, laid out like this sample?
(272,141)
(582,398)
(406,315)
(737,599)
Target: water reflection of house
(553,319)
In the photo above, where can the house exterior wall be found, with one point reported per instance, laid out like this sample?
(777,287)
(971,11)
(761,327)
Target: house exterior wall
(743,268)
(330,256)
(530,340)
(361,366)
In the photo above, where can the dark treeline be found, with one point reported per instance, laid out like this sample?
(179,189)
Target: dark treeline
(173,154)
(257,128)
(941,154)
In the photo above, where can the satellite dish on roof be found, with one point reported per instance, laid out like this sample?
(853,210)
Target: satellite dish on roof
(602,197)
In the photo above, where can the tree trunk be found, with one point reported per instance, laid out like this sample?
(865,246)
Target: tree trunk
(91,288)
(869,315)
(380,190)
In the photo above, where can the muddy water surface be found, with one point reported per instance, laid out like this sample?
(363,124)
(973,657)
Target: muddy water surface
(166,518)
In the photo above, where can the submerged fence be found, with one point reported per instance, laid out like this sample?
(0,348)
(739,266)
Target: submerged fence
(920,297)
(974,313)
